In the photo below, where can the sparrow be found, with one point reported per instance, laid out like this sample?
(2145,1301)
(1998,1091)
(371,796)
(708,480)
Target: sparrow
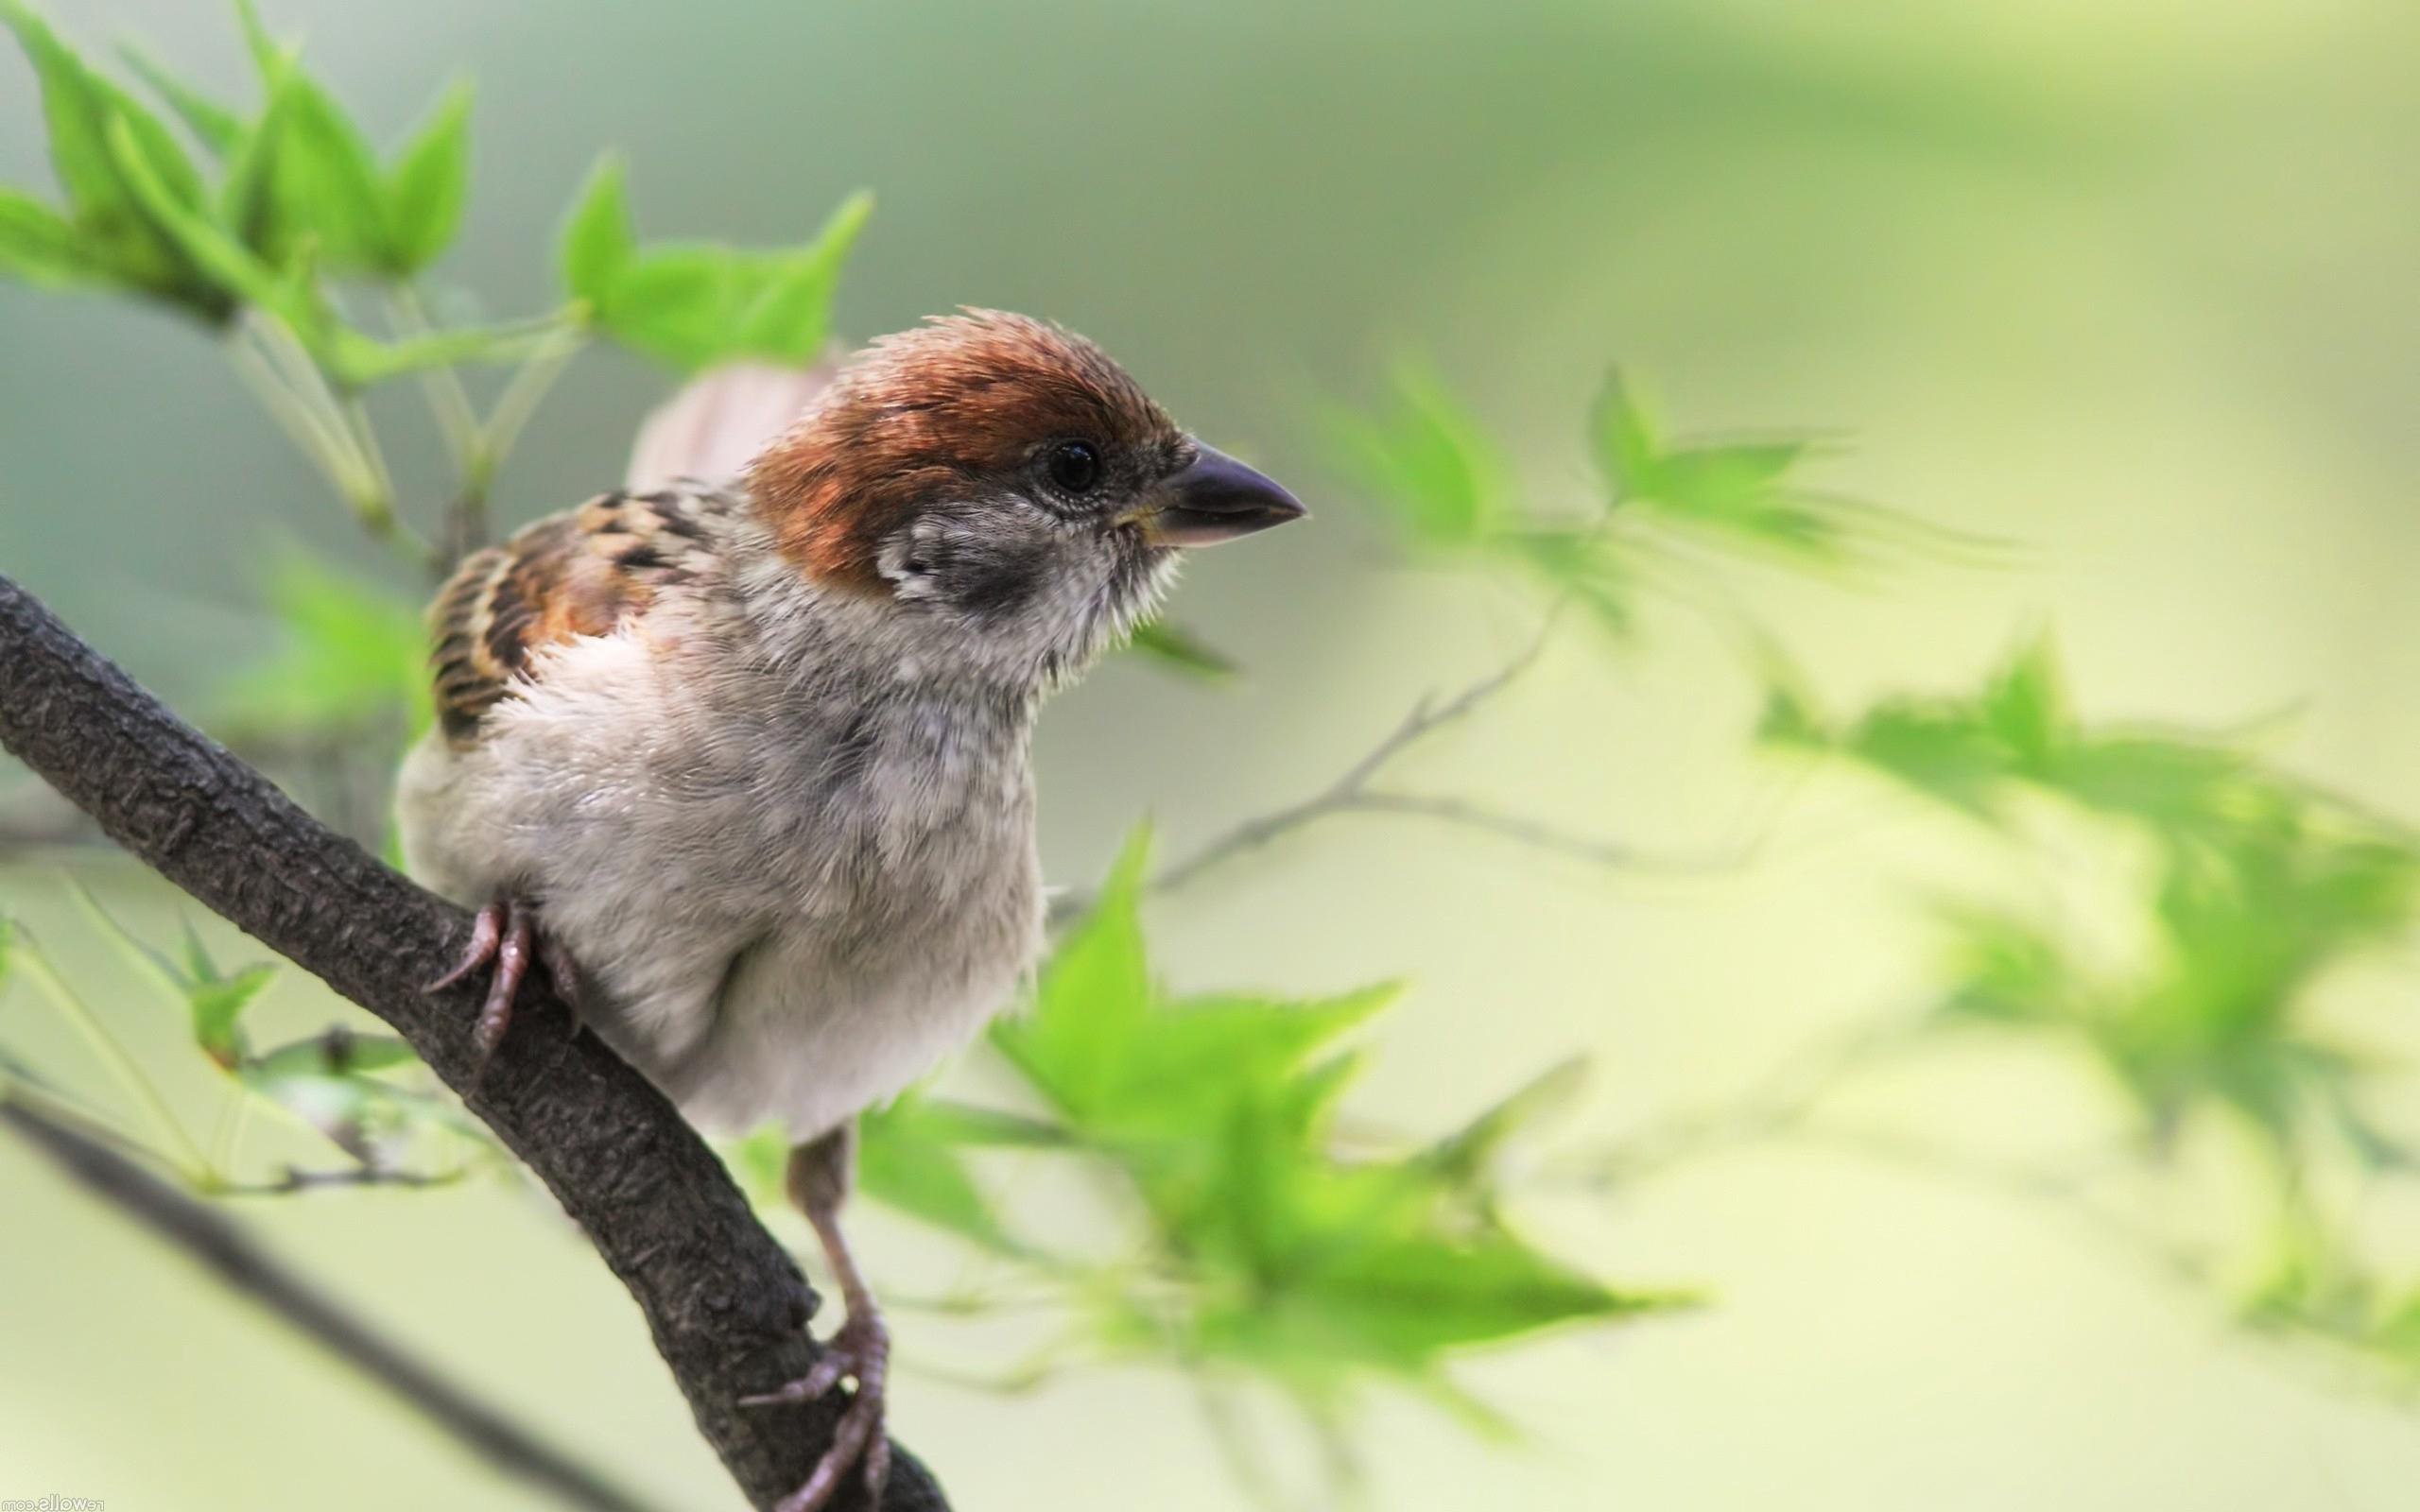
(745,768)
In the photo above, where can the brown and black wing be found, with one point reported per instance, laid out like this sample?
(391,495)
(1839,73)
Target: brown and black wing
(580,573)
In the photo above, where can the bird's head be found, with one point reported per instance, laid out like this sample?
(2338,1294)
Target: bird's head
(1005,478)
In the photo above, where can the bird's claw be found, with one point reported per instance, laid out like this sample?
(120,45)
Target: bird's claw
(819,1380)
(505,936)
(859,1352)
(487,932)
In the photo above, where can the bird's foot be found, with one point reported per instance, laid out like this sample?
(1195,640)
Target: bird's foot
(860,1352)
(504,938)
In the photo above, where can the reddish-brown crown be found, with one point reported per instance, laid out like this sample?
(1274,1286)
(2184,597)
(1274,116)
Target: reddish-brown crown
(961,400)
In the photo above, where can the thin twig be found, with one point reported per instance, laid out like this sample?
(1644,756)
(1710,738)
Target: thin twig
(230,1254)
(373,456)
(333,430)
(31,959)
(322,442)
(1245,1461)
(1535,834)
(2049,1187)
(449,401)
(1352,792)
(1781,1104)
(1787,1107)
(526,389)
(1351,789)
(296,1179)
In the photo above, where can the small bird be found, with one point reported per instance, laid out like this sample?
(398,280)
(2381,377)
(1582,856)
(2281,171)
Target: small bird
(745,769)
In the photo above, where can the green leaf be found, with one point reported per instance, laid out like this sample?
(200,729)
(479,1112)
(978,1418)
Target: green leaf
(96,128)
(2026,707)
(909,1160)
(1117,1059)
(336,1053)
(213,125)
(597,245)
(1742,495)
(213,1001)
(1727,483)
(359,1115)
(429,185)
(355,361)
(788,318)
(237,274)
(217,1005)
(988,1128)
(1269,1250)
(1936,750)
(159,149)
(1792,718)
(1248,1037)
(1095,981)
(1591,566)
(1424,459)
(151,963)
(2018,732)
(1748,496)
(353,658)
(1181,650)
(1628,438)
(1464,1156)
(759,1161)
(197,961)
(691,305)
(257,40)
(326,197)
(1338,1266)
(1403,1300)
(329,1082)
(39,247)
(676,305)
(2003,968)
(244,203)
(303,190)
(78,106)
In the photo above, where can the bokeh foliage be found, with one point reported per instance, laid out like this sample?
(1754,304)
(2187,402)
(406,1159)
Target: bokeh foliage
(1246,1237)
(1668,506)
(1243,1243)
(2233,897)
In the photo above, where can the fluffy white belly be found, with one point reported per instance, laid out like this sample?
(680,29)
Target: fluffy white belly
(768,934)
(807,1036)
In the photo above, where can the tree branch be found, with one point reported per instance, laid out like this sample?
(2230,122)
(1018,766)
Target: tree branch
(1352,792)
(725,1303)
(230,1254)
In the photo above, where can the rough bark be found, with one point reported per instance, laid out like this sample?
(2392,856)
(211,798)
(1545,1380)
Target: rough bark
(726,1304)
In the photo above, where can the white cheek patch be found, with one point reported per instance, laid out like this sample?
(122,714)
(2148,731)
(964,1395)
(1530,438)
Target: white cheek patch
(903,557)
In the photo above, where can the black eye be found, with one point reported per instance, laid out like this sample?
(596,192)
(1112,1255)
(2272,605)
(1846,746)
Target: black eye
(1074,465)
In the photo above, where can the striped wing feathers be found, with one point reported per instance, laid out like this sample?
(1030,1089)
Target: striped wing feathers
(580,573)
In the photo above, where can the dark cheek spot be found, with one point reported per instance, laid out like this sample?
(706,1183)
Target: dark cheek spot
(995,580)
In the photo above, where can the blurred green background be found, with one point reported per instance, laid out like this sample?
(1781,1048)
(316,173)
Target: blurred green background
(2130,282)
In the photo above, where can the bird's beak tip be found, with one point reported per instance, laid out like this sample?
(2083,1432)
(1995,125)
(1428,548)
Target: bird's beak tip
(1218,499)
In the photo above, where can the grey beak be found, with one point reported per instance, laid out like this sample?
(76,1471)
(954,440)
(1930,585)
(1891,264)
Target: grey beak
(1216,499)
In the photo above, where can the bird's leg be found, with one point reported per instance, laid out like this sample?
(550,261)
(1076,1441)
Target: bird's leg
(819,1183)
(505,936)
